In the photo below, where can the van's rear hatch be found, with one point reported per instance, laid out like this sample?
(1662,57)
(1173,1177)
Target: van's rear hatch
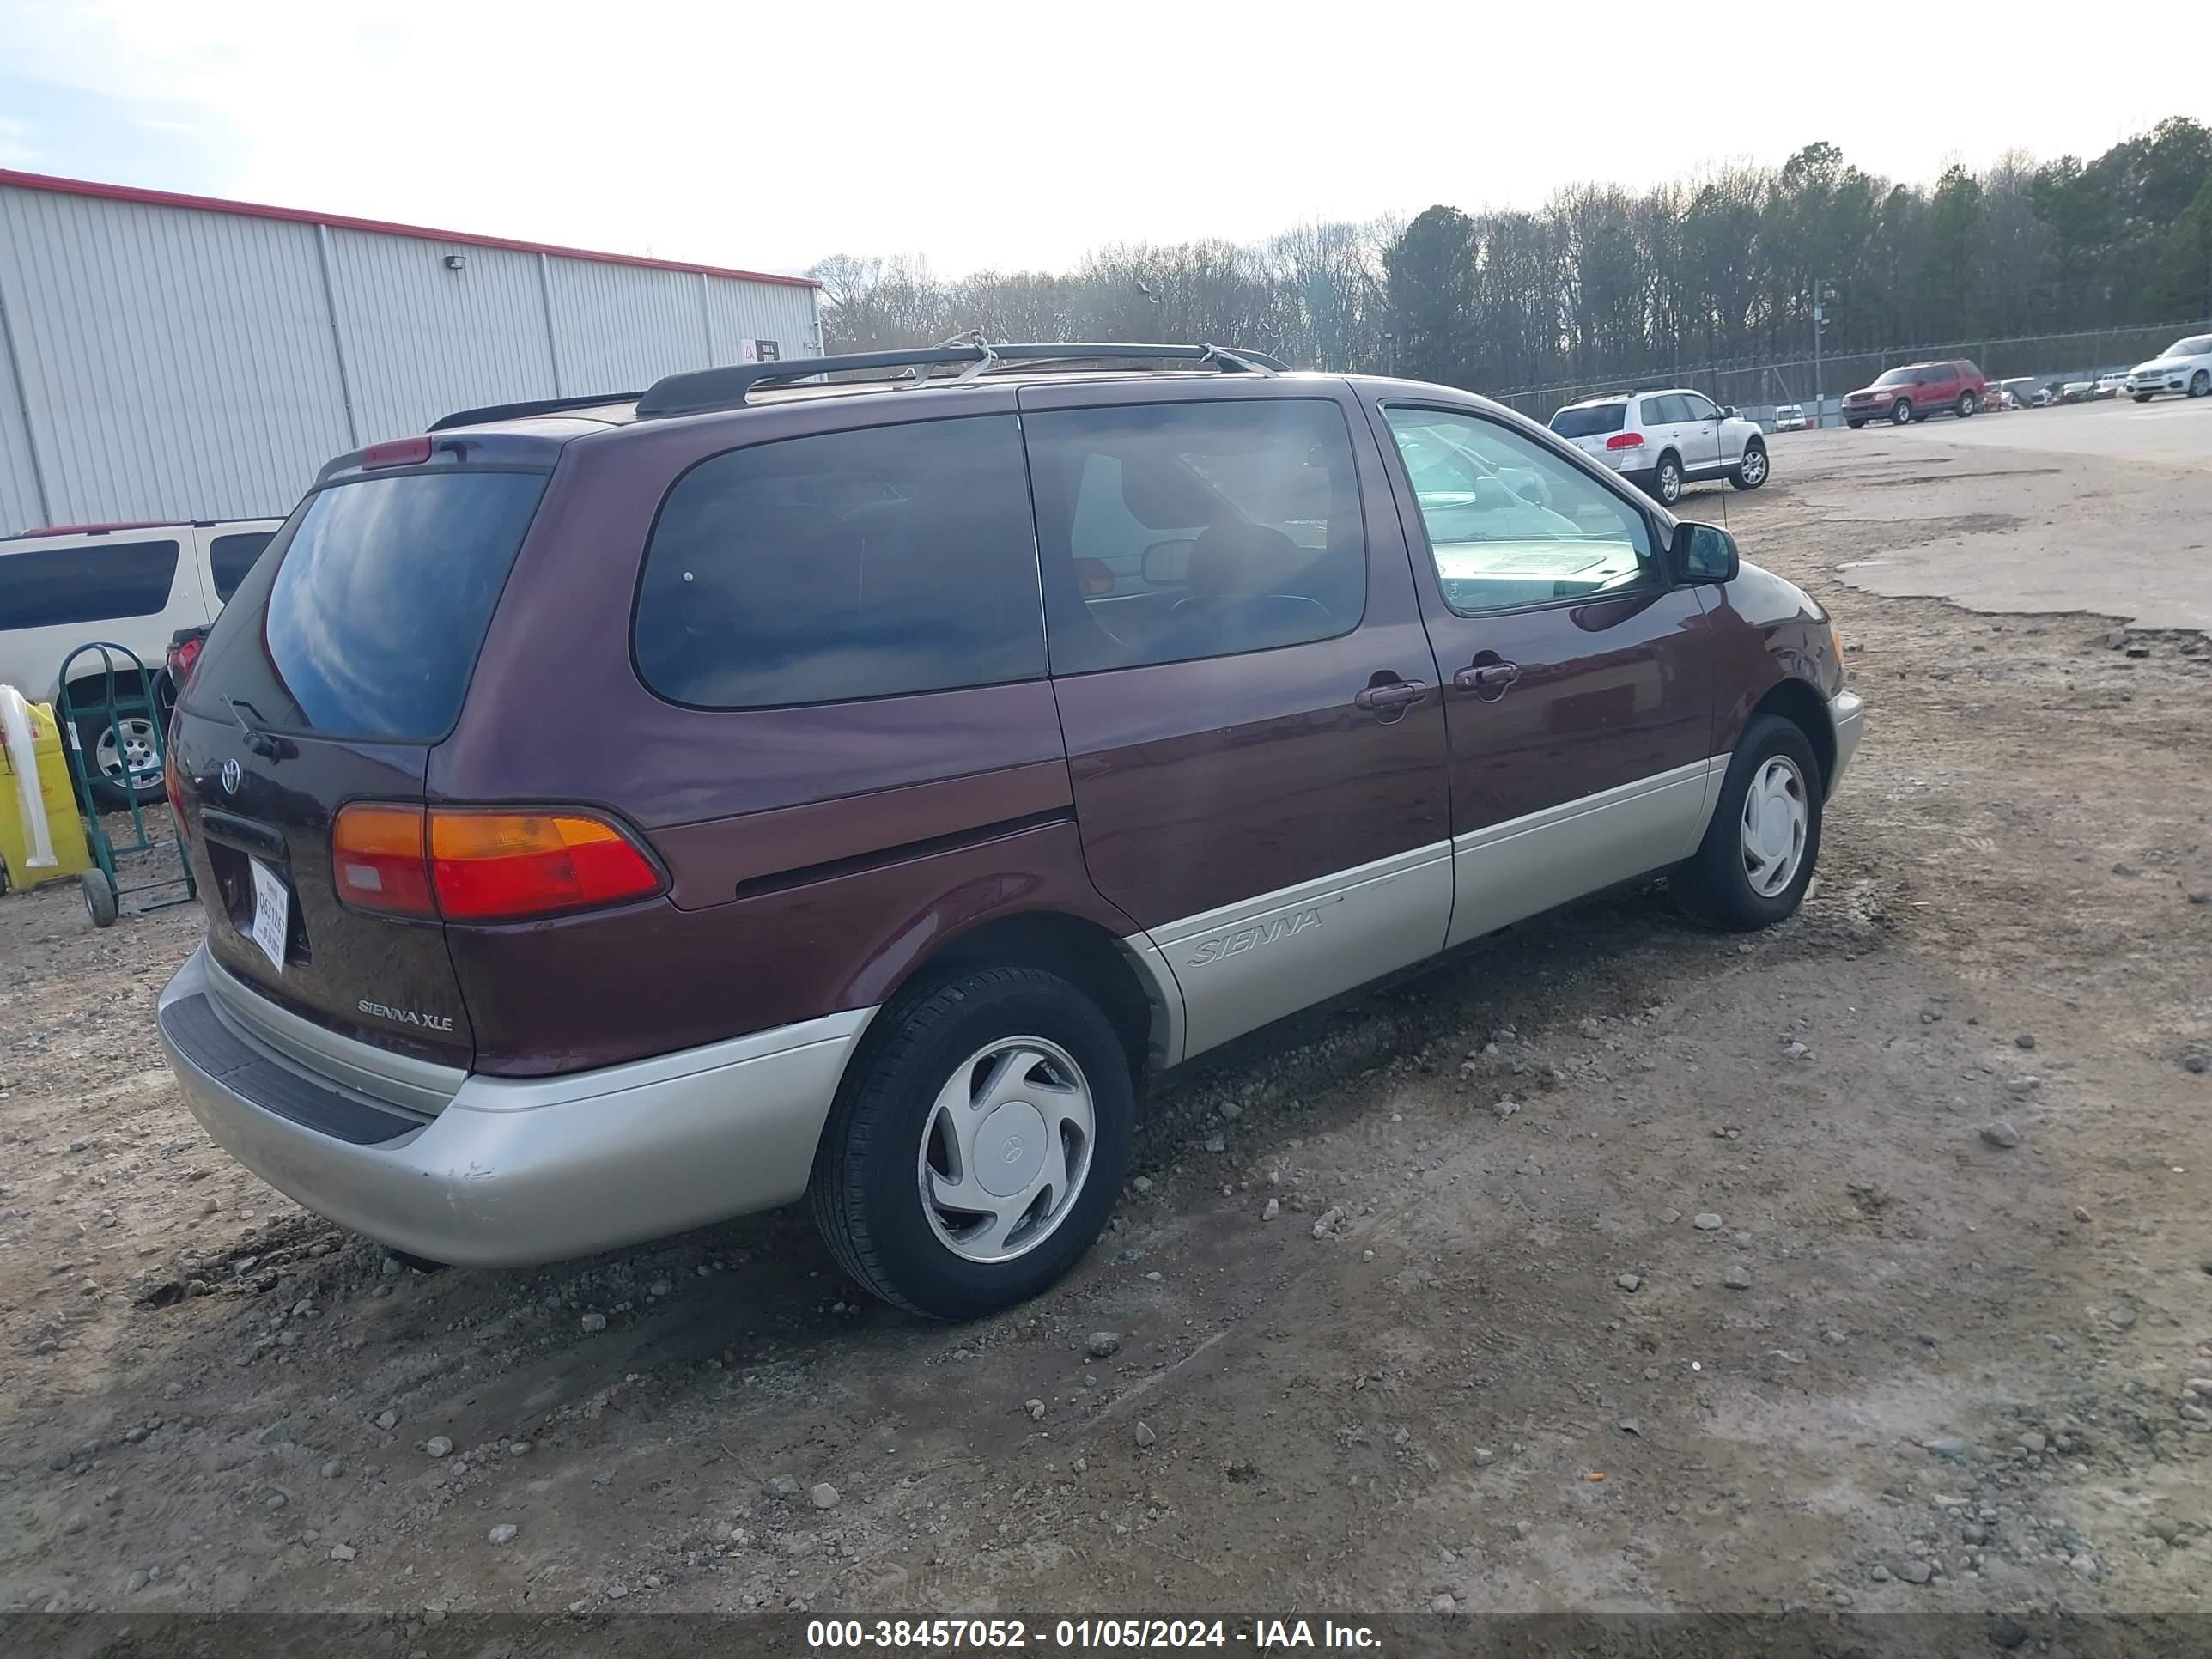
(340,662)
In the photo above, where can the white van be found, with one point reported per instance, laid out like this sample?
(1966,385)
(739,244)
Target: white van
(132,585)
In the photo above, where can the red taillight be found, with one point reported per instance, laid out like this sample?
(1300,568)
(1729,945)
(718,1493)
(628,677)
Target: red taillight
(377,860)
(182,655)
(396,451)
(483,864)
(1624,441)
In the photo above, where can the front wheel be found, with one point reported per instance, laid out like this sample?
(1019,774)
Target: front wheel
(1855,425)
(1667,480)
(2200,384)
(1968,404)
(1750,472)
(973,1154)
(1901,412)
(1756,861)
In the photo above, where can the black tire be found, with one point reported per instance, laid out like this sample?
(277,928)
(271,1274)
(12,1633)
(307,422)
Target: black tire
(109,791)
(1855,425)
(1746,475)
(2200,384)
(1666,479)
(1968,404)
(867,1198)
(1714,889)
(98,898)
(1901,412)
(2141,397)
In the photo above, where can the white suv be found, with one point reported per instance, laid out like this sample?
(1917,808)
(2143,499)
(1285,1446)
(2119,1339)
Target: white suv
(2184,366)
(131,585)
(1661,437)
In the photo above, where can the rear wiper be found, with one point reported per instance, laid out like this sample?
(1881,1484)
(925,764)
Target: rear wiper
(259,740)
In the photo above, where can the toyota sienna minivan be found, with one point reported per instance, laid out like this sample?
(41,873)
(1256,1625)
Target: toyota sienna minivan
(852,780)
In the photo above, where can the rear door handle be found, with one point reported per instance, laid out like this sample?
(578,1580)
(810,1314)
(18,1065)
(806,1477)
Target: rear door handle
(1490,676)
(1396,694)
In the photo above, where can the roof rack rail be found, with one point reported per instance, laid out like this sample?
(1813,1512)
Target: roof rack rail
(699,390)
(491,412)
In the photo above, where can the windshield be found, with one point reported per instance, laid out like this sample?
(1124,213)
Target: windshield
(2200,346)
(1896,377)
(1590,420)
(365,617)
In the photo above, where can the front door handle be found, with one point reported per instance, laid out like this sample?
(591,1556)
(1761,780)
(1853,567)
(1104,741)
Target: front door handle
(1491,677)
(1392,694)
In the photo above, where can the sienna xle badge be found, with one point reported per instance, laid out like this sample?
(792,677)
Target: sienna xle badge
(616,815)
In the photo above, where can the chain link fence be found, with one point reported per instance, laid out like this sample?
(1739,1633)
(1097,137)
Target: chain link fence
(1758,387)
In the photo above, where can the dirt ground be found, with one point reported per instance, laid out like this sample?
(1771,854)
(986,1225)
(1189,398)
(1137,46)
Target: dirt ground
(1736,1310)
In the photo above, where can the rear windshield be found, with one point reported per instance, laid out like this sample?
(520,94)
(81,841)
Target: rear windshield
(364,617)
(1590,421)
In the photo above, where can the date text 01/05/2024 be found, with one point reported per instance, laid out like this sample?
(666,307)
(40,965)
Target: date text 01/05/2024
(827,1636)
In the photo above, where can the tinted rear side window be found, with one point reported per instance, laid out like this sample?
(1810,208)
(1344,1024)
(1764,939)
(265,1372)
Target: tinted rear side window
(97,583)
(1170,532)
(365,618)
(229,557)
(1592,423)
(865,563)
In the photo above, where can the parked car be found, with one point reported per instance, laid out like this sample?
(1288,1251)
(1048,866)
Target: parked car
(2184,366)
(2021,392)
(1789,417)
(1902,396)
(613,818)
(2110,386)
(131,585)
(1660,438)
(2078,391)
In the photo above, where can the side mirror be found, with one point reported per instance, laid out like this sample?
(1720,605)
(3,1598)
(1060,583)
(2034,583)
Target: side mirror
(1705,553)
(1166,564)
(1728,413)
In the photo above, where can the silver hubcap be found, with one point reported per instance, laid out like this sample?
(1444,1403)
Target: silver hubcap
(136,751)
(1670,481)
(1902,413)
(1775,818)
(1754,466)
(1007,1149)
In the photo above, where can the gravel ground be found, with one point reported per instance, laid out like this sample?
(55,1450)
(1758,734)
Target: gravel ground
(1865,1263)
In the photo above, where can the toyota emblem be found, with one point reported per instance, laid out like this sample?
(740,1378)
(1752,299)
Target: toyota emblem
(231,773)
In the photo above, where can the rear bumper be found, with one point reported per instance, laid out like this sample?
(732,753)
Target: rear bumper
(1847,714)
(513,1170)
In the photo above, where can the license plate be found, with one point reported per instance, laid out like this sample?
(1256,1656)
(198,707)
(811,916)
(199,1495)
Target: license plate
(272,914)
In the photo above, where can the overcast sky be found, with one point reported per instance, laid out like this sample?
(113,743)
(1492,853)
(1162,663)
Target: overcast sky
(767,135)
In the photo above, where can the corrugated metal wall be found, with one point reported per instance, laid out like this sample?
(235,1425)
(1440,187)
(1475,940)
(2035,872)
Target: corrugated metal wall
(181,363)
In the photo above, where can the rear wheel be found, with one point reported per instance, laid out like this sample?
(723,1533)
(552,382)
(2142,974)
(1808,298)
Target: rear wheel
(121,761)
(2200,384)
(1757,859)
(1750,472)
(1968,404)
(973,1154)
(1901,412)
(1666,479)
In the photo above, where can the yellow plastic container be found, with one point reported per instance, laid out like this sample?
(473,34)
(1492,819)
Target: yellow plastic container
(72,855)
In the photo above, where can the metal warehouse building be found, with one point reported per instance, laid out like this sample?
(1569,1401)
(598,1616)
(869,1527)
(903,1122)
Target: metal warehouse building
(176,357)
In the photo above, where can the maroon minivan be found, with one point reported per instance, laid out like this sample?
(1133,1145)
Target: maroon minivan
(852,778)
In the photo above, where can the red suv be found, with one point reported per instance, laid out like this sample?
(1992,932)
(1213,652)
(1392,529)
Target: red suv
(616,817)
(1902,396)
